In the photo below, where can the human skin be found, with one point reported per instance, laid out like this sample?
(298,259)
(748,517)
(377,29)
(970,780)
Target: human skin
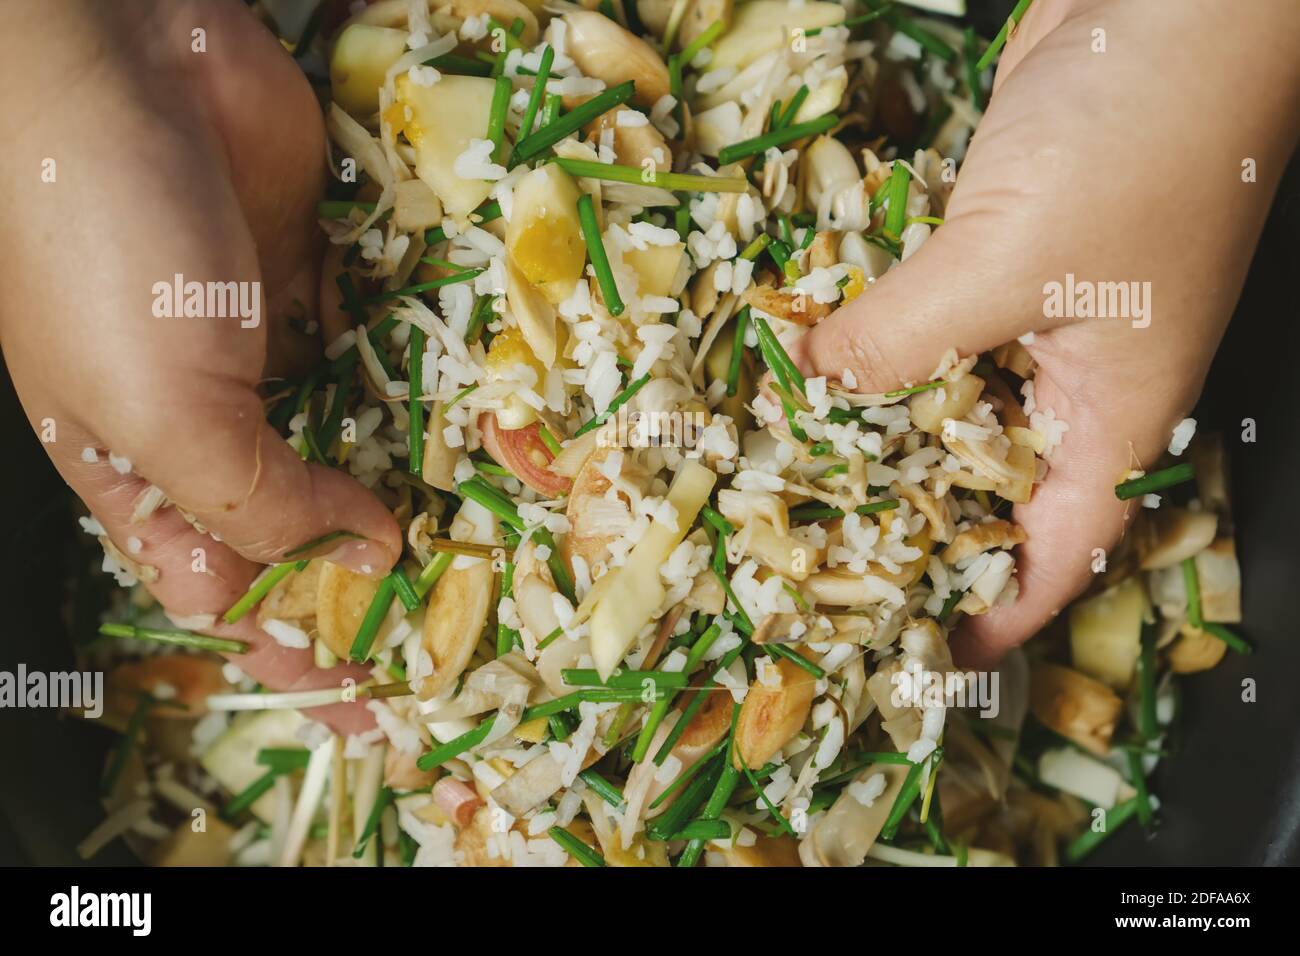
(1123,165)
(1117,166)
(171,161)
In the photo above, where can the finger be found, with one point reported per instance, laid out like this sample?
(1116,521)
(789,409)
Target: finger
(210,449)
(1072,514)
(196,578)
(955,292)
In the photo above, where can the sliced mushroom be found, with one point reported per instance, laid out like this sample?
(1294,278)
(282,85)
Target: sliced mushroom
(595,521)
(457,613)
(850,827)
(342,599)
(181,679)
(763,26)
(401,772)
(1106,632)
(983,537)
(1219,575)
(1195,650)
(604,50)
(799,307)
(1170,535)
(791,558)
(294,597)
(772,715)
(635,143)
(935,511)
(1074,705)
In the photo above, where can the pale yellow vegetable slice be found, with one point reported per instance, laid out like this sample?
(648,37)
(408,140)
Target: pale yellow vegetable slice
(544,237)
(1074,705)
(1170,535)
(655,267)
(456,616)
(604,50)
(362,56)
(636,592)
(849,828)
(764,26)
(445,118)
(950,400)
(772,714)
(439,467)
(1106,633)
(535,315)
(342,598)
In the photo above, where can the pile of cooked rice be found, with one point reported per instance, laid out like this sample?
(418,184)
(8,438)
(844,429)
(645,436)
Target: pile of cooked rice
(657,607)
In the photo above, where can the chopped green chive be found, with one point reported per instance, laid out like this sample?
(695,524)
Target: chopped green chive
(415,401)
(1090,839)
(304,549)
(534,144)
(259,589)
(688,773)
(786,372)
(619,401)
(756,247)
(284,759)
(787,117)
(928,41)
(599,260)
(780,650)
(1137,776)
(717,801)
(249,795)
(438,283)
(382,800)
(627,680)
(776,137)
(404,589)
(538,91)
(144,704)
(1156,481)
(916,389)
(177,637)
(369,629)
(496,128)
(432,571)
(639,176)
(852,22)
(603,788)
(703,39)
(549,440)
(552,109)
(1148,725)
(737,351)
(1000,40)
(902,803)
(900,178)
(1234,642)
(660,709)
(575,847)
(776,814)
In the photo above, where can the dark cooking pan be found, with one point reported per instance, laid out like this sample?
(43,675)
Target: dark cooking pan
(1231,794)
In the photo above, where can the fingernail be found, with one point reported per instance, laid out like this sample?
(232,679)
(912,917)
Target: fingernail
(363,557)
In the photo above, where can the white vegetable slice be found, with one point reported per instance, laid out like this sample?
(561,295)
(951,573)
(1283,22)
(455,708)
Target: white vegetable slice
(1067,769)
(1106,631)
(763,26)
(630,601)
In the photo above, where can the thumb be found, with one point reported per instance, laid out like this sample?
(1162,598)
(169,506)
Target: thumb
(215,457)
(1072,514)
(953,293)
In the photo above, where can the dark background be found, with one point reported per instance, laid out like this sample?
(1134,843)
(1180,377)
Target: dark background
(1231,795)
